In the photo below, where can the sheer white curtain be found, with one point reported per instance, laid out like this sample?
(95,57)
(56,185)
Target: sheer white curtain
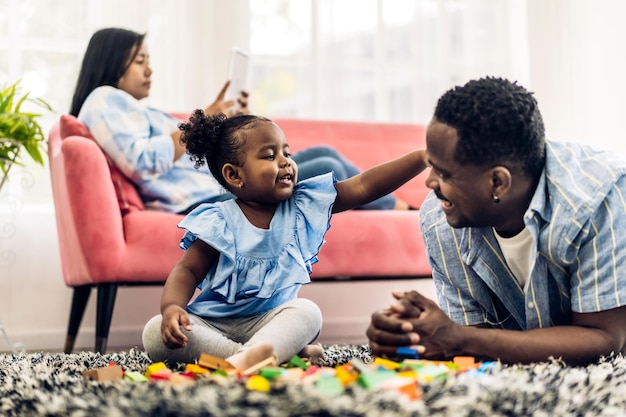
(578,68)
(376,60)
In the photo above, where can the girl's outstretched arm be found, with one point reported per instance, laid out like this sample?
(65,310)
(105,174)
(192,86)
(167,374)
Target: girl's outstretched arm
(179,288)
(378,181)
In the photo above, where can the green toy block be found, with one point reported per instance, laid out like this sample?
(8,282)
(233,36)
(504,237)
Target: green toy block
(296,361)
(135,376)
(329,385)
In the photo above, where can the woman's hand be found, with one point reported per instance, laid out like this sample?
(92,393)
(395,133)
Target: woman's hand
(228,107)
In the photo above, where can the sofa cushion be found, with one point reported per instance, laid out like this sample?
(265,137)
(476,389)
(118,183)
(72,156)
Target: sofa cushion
(127,195)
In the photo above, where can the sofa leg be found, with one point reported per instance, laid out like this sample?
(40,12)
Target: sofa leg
(106,302)
(79,302)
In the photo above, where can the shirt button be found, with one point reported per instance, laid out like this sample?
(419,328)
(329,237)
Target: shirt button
(531,305)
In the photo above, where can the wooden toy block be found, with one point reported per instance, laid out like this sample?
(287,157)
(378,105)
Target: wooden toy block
(154,368)
(298,362)
(386,363)
(373,380)
(258,383)
(429,372)
(107,373)
(161,375)
(213,362)
(359,366)
(464,362)
(329,385)
(346,376)
(271,361)
(180,378)
(407,353)
(135,376)
(292,374)
(272,372)
(406,386)
(195,370)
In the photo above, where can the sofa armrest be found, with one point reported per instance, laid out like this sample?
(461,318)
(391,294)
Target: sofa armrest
(86,205)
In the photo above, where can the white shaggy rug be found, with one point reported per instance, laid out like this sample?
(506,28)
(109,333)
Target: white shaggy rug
(52,385)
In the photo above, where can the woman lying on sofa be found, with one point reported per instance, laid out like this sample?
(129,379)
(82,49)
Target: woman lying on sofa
(144,142)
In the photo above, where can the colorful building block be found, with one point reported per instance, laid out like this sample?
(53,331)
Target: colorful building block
(135,376)
(195,370)
(271,361)
(464,363)
(258,383)
(107,373)
(156,368)
(407,353)
(213,362)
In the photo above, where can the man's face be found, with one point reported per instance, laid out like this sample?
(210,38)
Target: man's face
(465,191)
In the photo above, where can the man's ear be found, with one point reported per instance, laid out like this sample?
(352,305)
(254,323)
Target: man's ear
(501,180)
(230,173)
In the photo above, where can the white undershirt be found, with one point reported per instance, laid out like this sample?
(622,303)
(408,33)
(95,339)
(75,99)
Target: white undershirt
(517,251)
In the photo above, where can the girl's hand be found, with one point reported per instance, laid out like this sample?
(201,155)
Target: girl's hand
(173,318)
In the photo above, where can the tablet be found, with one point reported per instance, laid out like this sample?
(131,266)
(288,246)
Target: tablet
(237,73)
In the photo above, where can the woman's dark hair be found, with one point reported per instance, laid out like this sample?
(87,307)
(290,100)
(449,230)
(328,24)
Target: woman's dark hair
(106,59)
(497,122)
(216,139)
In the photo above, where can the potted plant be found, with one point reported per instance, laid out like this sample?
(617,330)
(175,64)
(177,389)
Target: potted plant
(19,130)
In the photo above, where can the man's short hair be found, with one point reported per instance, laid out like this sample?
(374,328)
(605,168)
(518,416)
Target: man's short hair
(497,122)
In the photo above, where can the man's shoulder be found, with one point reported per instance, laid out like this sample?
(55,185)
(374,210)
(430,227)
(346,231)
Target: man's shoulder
(582,174)
(431,214)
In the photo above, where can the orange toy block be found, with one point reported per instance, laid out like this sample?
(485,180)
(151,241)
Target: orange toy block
(464,362)
(213,362)
(406,386)
(195,370)
(108,373)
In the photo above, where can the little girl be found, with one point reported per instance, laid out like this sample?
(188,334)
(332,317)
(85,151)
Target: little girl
(249,256)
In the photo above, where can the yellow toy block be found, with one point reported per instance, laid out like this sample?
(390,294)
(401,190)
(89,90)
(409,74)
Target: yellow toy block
(156,368)
(389,364)
(346,376)
(258,383)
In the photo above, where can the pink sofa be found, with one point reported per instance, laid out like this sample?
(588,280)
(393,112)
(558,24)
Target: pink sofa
(107,238)
(368,244)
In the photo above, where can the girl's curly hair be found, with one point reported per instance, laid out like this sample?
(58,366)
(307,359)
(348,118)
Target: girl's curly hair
(216,139)
(497,122)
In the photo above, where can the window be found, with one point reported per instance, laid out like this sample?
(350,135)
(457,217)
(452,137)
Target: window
(388,62)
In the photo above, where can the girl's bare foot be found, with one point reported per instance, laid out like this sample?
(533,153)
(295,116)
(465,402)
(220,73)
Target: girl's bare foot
(313,352)
(244,359)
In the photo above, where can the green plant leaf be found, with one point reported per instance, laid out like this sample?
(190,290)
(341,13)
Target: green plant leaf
(20,130)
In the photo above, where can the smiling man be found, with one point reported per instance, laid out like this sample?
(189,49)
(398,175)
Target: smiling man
(525,237)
